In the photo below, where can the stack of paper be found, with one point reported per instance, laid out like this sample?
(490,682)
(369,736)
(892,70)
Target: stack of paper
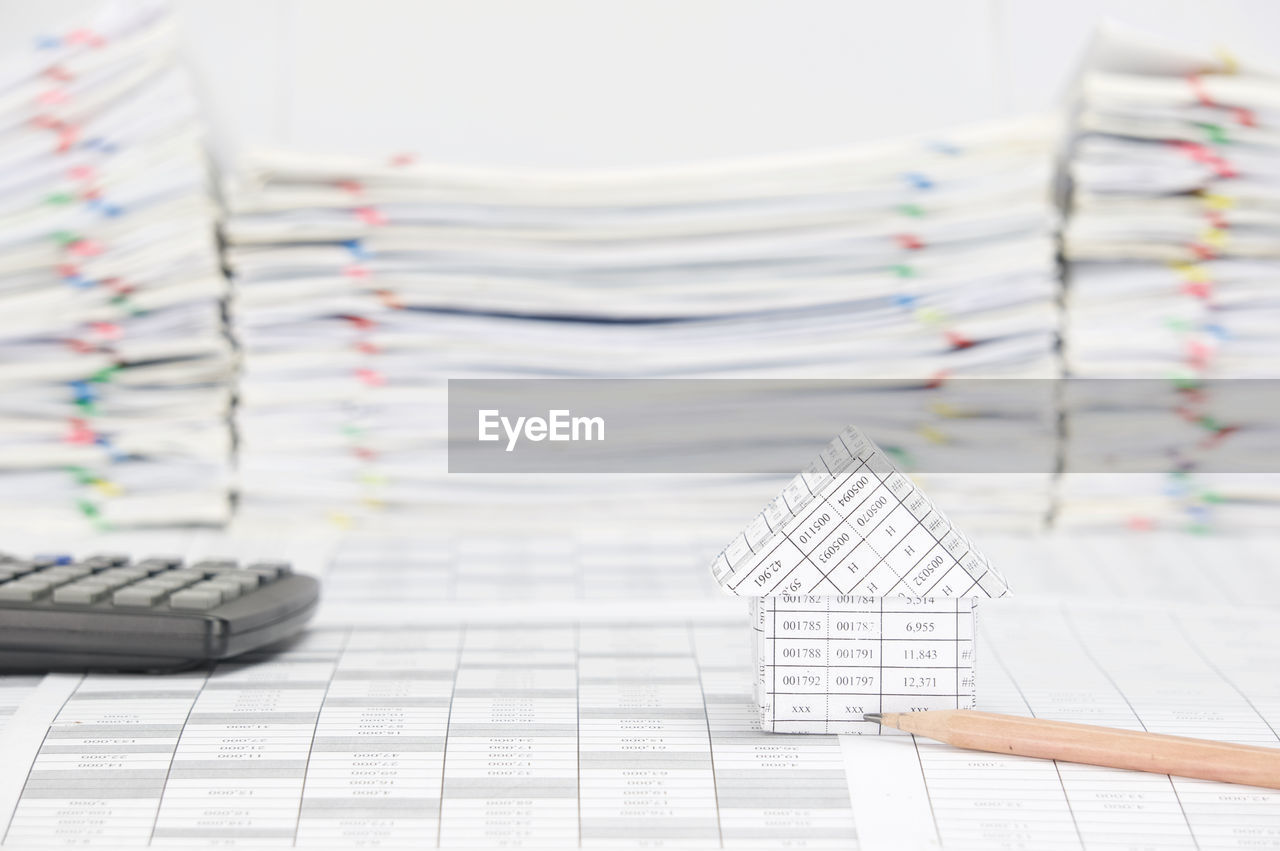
(114,371)
(361,285)
(1174,248)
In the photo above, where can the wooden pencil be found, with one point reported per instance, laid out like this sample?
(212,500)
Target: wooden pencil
(1135,750)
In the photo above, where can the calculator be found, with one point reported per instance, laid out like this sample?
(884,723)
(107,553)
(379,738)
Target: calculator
(109,613)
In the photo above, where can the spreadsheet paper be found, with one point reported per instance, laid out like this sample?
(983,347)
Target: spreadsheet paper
(633,733)
(822,663)
(14,688)
(851,523)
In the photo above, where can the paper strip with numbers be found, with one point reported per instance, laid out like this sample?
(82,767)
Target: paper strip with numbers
(863,595)
(852,523)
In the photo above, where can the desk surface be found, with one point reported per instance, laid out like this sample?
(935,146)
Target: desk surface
(575,708)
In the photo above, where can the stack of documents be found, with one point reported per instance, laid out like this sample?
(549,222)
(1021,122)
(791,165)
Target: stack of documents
(1173,243)
(114,367)
(360,286)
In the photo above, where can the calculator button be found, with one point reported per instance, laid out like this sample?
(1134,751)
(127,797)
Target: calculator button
(178,578)
(76,570)
(65,574)
(141,595)
(209,565)
(80,593)
(230,589)
(270,570)
(196,598)
(246,579)
(151,585)
(107,560)
(132,571)
(20,568)
(37,580)
(20,592)
(114,579)
(155,564)
(170,586)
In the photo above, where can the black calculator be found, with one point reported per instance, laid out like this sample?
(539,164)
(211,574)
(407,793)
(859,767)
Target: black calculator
(110,613)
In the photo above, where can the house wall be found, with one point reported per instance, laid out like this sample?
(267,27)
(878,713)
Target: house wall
(822,662)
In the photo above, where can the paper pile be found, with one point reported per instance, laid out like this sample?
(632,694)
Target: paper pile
(1173,240)
(114,377)
(361,285)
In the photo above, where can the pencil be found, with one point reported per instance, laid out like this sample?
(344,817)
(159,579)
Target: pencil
(1138,751)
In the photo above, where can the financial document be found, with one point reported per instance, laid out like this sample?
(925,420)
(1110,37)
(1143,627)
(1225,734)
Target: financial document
(823,663)
(470,735)
(852,523)
(13,690)
(628,722)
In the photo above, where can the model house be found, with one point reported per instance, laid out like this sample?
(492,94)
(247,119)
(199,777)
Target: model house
(863,595)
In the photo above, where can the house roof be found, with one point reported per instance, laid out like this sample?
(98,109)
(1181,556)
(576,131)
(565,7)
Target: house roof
(852,523)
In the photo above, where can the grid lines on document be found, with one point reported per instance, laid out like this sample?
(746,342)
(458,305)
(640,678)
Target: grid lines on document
(14,688)
(867,531)
(549,567)
(831,659)
(600,735)
(1179,674)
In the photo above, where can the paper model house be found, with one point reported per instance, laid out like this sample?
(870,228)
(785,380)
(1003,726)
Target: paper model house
(863,596)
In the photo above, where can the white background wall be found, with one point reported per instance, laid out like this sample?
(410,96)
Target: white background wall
(571,83)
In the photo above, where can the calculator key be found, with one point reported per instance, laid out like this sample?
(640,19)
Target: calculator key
(229,588)
(132,570)
(209,565)
(270,570)
(22,591)
(65,574)
(80,593)
(76,570)
(40,580)
(155,564)
(167,581)
(179,577)
(20,568)
(107,560)
(246,579)
(140,596)
(171,588)
(196,598)
(116,578)
(151,585)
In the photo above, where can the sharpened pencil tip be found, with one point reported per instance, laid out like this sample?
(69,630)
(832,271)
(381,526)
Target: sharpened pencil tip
(872,716)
